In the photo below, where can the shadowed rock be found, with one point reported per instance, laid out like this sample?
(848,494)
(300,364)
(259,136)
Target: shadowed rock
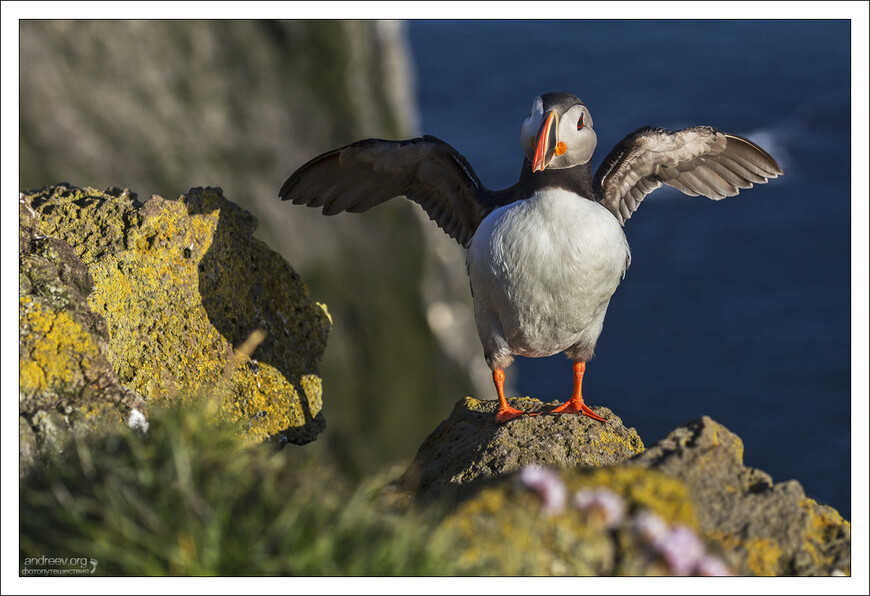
(469,445)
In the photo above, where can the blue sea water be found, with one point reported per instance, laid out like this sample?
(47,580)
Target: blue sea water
(737,309)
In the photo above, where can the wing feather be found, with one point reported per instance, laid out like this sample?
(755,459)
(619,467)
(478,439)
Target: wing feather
(696,161)
(365,174)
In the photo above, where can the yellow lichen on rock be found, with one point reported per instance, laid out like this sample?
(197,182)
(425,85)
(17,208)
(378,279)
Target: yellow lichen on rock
(662,494)
(611,442)
(54,348)
(66,383)
(761,555)
(505,529)
(502,530)
(269,401)
(181,285)
(825,525)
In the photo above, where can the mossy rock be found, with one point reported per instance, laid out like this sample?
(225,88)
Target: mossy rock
(505,530)
(773,528)
(470,445)
(182,285)
(65,379)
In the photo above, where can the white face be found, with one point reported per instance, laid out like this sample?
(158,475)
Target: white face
(579,142)
(531,126)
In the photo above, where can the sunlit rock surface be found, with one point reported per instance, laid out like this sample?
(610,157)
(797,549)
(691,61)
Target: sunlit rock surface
(773,527)
(181,285)
(65,378)
(470,445)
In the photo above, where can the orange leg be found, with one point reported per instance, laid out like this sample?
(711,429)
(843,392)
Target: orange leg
(505,411)
(575,405)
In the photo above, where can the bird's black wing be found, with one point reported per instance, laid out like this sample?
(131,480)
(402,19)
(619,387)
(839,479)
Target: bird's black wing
(697,161)
(426,170)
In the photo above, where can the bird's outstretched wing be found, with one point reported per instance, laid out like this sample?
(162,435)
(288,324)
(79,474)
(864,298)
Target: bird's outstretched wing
(697,161)
(426,170)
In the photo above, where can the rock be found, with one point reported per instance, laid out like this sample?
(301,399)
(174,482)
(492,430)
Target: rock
(182,286)
(687,505)
(616,520)
(65,378)
(219,120)
(773,528)
(469,445)
(28,452)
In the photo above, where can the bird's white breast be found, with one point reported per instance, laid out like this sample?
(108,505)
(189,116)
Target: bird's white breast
(542,273)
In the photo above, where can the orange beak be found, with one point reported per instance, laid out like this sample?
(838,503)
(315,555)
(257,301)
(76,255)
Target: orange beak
(546,142)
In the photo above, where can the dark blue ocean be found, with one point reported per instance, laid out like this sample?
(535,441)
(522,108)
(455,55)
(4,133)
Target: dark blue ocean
(737,309)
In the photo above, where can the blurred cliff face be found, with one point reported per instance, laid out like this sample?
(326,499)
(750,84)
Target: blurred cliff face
(160,107)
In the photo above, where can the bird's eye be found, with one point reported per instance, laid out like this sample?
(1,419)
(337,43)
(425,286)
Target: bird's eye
(580,122)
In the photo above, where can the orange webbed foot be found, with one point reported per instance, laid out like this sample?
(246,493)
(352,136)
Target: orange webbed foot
(508,413)
(577,407)
(505,411)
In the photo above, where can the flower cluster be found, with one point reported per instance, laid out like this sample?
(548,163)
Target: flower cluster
(547,485)
(678,547)
(607,506)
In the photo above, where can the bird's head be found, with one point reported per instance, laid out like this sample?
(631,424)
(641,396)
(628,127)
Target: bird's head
(558,133)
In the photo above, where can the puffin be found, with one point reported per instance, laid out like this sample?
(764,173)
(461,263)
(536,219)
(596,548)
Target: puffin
(545,255)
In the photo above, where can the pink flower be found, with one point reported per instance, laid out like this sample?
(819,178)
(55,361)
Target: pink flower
(547,485)
(650,527)
(681,549)
(603,502)
(711,566)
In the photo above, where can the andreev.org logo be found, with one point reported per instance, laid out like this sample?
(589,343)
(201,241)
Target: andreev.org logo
(59,566)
